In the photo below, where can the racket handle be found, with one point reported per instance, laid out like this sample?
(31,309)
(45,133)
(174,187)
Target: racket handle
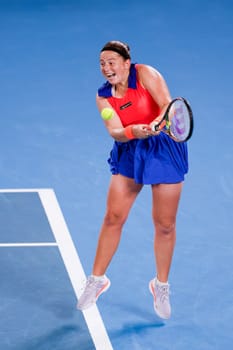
(159,125)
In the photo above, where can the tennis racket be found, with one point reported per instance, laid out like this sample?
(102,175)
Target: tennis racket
(177,121)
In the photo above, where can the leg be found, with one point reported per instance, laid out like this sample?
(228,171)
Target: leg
(165,204)
(122,193)
(121,196)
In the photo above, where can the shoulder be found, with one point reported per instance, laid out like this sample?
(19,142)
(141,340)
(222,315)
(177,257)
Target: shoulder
(151,79)
(145,72)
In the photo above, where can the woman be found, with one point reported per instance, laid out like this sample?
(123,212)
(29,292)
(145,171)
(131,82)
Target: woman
(139,96)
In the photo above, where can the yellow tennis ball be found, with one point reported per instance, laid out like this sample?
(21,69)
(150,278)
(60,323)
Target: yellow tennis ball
(107,113)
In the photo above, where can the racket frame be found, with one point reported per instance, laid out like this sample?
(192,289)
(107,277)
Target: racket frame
(164,123)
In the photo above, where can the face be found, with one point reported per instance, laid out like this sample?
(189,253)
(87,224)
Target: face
(114,67)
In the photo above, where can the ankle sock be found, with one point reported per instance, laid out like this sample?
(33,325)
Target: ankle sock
(161,283)
(98,278)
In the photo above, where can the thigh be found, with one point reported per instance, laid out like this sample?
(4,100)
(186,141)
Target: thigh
(121,195)
(165,201)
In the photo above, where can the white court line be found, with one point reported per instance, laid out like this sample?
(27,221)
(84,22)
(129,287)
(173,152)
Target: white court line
(73,266)
(72,262)
(10,190)
(39,244)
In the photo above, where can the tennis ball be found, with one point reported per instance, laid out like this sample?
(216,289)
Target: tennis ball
(107,113)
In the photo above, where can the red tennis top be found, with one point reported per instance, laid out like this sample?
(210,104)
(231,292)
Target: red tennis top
(137,106)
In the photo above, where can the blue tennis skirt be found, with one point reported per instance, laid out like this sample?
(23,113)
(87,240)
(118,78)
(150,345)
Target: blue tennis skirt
(155,160)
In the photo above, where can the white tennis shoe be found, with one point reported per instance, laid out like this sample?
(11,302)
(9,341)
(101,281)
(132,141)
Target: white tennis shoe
(93,289)
(160,292)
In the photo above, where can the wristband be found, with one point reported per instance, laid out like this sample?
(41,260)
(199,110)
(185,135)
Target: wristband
(129,132)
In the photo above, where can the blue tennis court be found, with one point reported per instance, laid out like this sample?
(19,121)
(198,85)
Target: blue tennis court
(54,177)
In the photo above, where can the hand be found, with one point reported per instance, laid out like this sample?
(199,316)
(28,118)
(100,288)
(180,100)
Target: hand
(142,131)
(153,126)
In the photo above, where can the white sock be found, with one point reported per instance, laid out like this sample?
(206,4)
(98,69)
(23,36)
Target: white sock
(98,278)
(161,283)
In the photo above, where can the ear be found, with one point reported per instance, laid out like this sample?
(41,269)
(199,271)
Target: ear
(127,63)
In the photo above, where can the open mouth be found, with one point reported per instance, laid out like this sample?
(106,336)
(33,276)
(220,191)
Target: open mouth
(110,75)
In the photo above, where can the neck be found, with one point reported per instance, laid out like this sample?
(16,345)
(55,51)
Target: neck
(120,88)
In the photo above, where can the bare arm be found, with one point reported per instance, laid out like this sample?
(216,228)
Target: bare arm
(115,127)
(153,81)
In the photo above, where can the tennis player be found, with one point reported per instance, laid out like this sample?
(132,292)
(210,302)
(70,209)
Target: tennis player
(139,95)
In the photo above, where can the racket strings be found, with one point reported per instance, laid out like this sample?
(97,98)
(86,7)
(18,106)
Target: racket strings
(179,121)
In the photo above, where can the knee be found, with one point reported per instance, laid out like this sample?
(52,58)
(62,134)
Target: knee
(113,218)
(165,228)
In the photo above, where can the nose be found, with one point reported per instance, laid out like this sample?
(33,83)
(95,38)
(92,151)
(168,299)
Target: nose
(105,68)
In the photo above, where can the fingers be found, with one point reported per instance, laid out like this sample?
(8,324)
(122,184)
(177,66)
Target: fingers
(143,131)
(147,131)
(154,129)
